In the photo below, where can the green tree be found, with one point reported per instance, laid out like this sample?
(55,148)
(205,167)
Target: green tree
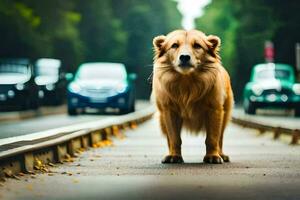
(142,20)
(101,32)
(18,30)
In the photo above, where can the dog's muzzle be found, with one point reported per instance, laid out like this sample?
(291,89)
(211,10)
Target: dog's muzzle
(185,61)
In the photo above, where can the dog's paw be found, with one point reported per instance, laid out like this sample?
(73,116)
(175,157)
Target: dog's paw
(225,158)
(172,159)
(213,159)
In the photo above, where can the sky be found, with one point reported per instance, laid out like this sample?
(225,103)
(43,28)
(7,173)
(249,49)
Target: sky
(190,10)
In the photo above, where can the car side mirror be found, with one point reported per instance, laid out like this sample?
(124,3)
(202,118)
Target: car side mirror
(132,76)
(69,76)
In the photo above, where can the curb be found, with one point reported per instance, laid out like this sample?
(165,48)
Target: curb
(262,128)
(24,156)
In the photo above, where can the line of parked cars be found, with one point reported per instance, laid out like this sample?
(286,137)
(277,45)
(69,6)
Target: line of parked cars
(24,85)
(100,86)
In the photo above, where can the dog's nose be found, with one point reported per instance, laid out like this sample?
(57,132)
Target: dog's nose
(184,58)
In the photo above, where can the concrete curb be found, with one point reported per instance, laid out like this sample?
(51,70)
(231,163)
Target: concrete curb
(263,127)
(23,154)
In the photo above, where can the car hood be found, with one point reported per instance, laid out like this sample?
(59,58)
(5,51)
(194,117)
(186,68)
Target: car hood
(274,84)
(99,84)
(45,80)
(13,78)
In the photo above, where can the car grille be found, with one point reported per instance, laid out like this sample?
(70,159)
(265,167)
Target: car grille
(274,91)
(5,88)
(99,92)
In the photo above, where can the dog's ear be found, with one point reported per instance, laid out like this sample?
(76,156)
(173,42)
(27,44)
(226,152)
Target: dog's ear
(158,43)
(214,44)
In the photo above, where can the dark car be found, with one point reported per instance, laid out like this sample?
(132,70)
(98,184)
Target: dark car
(101,86)
(50,80)
(272,85)
(17,87)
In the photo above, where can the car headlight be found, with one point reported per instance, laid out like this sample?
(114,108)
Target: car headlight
(257,90)
(20,86)
(121,88)
(11,93)
(50,87)
(74,88)
(296,89)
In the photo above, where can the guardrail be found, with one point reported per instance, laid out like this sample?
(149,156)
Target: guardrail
(277,131)
(24,156)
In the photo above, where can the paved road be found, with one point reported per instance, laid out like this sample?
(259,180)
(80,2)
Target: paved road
(28,126)
(260,169)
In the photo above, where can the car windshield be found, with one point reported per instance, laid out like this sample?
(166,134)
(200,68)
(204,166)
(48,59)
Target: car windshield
(47,67)
(14,68)
(272,74)
(14,73)
(102,71)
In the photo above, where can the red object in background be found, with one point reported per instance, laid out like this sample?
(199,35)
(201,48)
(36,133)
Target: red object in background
(269,51)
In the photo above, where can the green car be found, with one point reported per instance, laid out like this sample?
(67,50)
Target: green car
(272,85)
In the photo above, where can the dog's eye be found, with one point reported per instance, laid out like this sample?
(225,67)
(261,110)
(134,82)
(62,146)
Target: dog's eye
(175,46)
(197,46)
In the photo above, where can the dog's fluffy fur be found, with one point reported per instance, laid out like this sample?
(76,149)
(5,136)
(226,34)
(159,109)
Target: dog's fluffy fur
(195,94)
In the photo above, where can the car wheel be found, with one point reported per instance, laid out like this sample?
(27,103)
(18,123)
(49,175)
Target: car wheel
(34,105)
(132,107)
(297,112)
(249,108)
(72,111)
(124,111)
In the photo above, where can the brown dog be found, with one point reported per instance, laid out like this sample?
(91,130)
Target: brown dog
(191,90)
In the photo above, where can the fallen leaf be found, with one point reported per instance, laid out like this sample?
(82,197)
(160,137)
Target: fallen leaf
(75,181)
(15,177)
(51,164)
(21,174)
(29,187)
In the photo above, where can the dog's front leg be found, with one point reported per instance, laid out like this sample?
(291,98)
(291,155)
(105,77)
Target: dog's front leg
(213,127)
(172,123)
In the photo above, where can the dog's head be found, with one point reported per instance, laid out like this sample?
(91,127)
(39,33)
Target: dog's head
(186,51)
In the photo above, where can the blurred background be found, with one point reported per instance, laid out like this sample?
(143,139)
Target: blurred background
(76,32)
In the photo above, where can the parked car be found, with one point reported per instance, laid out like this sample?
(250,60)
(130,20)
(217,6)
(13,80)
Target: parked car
(272,85)
(101,86)
(50,80)
(17,88)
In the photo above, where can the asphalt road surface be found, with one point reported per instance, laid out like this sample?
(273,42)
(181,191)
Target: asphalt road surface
(28,126)
(131,169)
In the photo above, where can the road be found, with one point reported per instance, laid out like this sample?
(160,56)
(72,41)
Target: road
(260,169)
(28,126)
